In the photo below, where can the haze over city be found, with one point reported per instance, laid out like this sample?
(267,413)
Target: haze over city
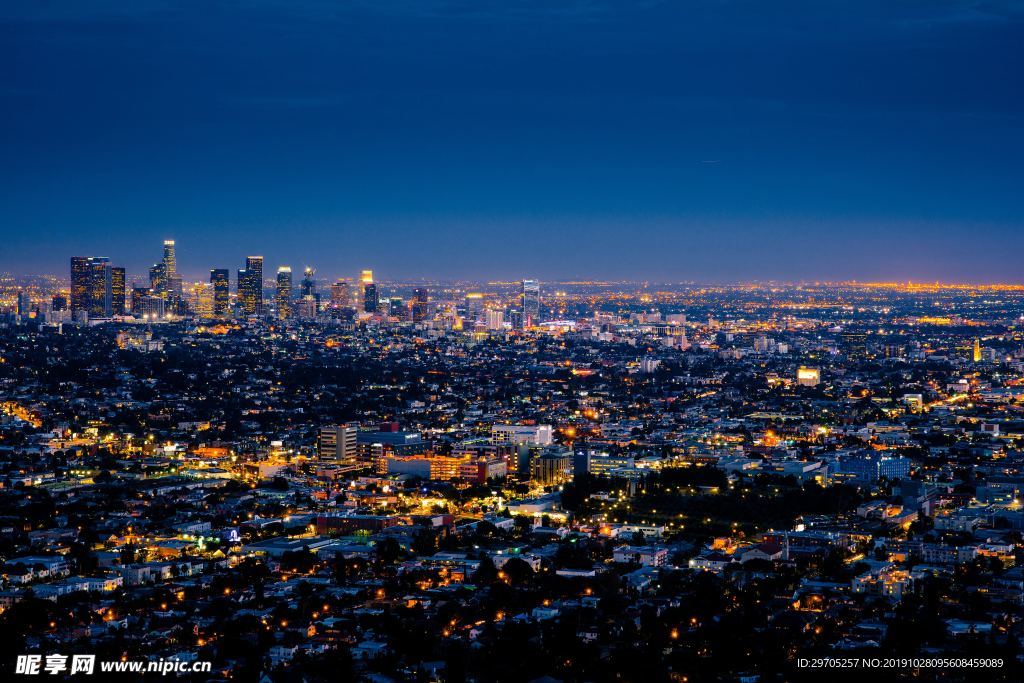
(711,142)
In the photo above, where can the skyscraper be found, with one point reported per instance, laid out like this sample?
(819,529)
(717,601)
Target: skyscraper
(250,286)
(100,295)
(92,283)
(371,299)
(283,300)
(158,279)
(531,303)
(340,296)
(220,279)
(308,283)
(201,299)
(474,307)
(170,262)
(117,291)
(79,284)
(420,304)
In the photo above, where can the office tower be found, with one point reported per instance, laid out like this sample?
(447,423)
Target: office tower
(58,303)
(340,296)
(90,286)
(308,283)
(158,279)
(420,304)
(283,300)
(170,262)
(337,443)
(220,278)
(495,320)
(138,294)
(117,291)
(200,299)
(24,304)
(976,355)
(474,307)
(152,307)
(175,293)
(79,284)
(250,286)
(396,308)
(371,298)
(531,303)
(100,298)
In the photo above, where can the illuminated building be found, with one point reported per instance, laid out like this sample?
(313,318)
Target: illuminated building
(531,303)
(283,300)
(170,261)
(396,308)
(540,435)
(158,279)
(117,291)
(366,277)
(808,377)
(250,286)
(220,279)
(81,282)
(551,468)
(371,299)
(92,285)
(138,293)
(474,306)
(152,307)
(976,355)
(420,304)
(495,320)
(340,296)
(337,443)
(201,299)
(308,286)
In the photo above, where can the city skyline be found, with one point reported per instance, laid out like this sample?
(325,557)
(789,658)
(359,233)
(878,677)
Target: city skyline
(715,143)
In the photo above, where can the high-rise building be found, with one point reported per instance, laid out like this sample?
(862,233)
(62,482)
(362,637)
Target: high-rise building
(138,294)
(420,304)
(371,298)
(495,319)
(308,283)
(340,295)
(201,299)
(283,300)
(531,303)
(24,304)
(396,308)
(250,286)
(158,279)
(976,351)
(170,261)
(117,291)
(175,293)
(474,307)
(91,286)
(337,443)
(101,298)
(220,279)
(79,284)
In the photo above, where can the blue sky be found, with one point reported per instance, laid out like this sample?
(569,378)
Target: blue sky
(710,140)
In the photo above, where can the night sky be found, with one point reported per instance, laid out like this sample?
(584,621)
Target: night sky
(682,140)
